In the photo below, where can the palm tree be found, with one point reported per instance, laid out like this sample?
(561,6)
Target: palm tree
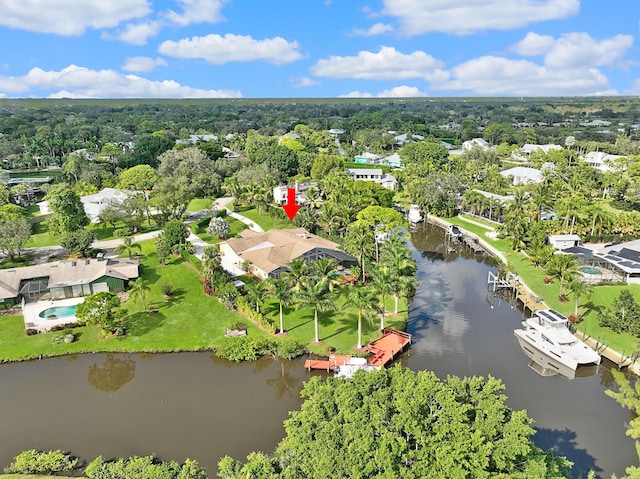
(325,269)
(128,247)
(402,285)
(383,279)
(315,294)
(563,267)
(363,299)
(298,272)
(139,288)
(359,242)
(579,289)
(257,293)
(281,290)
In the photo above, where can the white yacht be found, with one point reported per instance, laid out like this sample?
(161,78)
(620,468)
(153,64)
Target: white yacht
(414,215)
(547,340)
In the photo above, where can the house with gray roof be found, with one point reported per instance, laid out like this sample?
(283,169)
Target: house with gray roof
(66,279)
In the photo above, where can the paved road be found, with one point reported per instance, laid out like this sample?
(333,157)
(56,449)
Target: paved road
(42,254)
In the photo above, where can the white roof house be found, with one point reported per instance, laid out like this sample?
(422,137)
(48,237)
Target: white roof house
(476,142)
(522,175)
(373,174)
(564,241)
(407,138)
(602,161)
(94,204)
(280,193)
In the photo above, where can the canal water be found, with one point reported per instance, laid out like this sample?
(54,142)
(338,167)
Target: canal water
(195,405)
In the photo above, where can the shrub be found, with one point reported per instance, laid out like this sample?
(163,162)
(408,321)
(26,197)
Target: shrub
(219,227)
(289,348)
(245,308)
(143,467)
(122,232)
(238,349)
(39,462)
(167,288)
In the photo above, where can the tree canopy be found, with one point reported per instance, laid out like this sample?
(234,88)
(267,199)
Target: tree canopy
(399,423)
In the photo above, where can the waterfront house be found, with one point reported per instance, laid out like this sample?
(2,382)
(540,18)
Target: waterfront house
(267,255)
(66,279)
(393,161)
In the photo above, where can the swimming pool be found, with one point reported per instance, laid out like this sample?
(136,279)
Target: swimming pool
(58,312)
(590,270)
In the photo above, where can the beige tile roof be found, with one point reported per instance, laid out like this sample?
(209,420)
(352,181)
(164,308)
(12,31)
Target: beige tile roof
(275,248)
(67,273)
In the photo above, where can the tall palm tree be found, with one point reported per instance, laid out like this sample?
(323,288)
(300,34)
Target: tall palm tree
(360,242)
(383,279)
(363,299)
(579,289)
(402,285)
(280,290)
(128,247)
(315,294)
(139,289)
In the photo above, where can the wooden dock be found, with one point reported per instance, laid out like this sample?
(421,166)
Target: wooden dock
(383,351)
(615,357)
(517,289)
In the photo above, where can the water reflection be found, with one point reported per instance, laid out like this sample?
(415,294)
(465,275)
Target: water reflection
(566,441)
(113,374)
(285,383)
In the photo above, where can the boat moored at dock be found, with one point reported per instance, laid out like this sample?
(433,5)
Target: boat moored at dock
(546,339)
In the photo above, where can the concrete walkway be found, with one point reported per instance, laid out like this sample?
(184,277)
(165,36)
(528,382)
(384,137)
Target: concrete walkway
(224,201)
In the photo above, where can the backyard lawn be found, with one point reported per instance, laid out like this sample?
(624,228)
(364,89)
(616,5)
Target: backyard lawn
(200,229)
(337,329)
(188,321)
(198,204)
(265,221)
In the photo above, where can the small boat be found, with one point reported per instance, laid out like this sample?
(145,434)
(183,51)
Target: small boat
(546,339)
(349,367)
(414,216)
(454,231)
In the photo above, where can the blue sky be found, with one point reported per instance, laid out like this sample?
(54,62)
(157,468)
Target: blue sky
(318,48)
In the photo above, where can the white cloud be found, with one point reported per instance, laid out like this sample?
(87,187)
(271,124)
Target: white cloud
(496,76)
(574,50)
(376,29)
(143,64)
(303,82)
(196,11)
(402,91)
(217,49)
(463,17)
(136,33)
(533,45)
(386,64)
(581,50)
(68,17)
(79,82)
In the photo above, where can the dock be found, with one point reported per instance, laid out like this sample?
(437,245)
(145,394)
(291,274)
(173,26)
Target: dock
(517,289)
(383,351)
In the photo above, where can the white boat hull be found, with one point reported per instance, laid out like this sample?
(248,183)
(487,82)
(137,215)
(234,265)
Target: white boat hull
(549,357)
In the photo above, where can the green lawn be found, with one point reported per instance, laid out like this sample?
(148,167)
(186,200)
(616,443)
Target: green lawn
(188,321)
(337,329)
(103,232)
(198,204)
(200,229)
(589,307)
(40,236)
(265,221)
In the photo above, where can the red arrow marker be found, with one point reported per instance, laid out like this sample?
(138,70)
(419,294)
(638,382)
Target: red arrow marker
(291,208)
